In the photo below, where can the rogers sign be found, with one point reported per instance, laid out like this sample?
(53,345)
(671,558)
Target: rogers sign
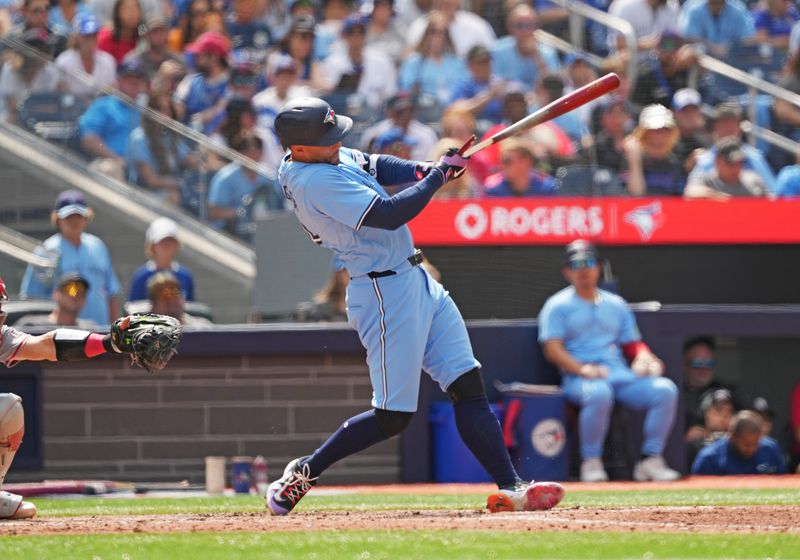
(473,221)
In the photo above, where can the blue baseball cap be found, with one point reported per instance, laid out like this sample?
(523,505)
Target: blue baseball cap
(85,24)
(131,67)
(69,203)
(353,20)
(392,136)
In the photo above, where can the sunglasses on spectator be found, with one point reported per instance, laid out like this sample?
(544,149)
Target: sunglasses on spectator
(582,263)
(304,35)
(74,289)
(200,13)
(437,31)
(524,26)
(38,10)
(703,363)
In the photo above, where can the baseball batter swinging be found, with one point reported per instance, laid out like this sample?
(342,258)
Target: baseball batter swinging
(65,345)
(404,318)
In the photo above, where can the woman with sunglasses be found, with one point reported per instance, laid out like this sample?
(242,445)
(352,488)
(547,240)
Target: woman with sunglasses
(433,70)
(299,44)
(84,56)
(199,18)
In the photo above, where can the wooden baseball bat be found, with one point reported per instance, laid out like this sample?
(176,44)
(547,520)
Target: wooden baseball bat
(560,106)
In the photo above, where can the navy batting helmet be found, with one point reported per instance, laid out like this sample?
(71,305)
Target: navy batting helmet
(310,121)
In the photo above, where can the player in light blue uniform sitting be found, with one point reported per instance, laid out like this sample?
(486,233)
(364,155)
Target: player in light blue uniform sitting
(405,319)
(584,332)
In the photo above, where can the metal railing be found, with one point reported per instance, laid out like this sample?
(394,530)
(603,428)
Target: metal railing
(21,247)
(579,11)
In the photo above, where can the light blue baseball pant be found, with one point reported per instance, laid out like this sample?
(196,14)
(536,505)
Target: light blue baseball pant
(407,323)
(658,396)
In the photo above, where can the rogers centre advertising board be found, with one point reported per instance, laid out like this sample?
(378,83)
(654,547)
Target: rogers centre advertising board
(608,221)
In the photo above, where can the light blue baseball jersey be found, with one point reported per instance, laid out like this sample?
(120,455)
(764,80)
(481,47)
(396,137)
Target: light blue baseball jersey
(90,259)
(591,332)
(331,201)
(406,321)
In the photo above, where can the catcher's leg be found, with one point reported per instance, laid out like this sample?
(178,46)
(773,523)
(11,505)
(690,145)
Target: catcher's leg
(12,428)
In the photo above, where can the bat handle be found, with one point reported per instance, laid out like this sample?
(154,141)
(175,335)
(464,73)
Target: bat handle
(466,145)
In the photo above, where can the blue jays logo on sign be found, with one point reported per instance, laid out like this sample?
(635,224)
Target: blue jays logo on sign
(330,117)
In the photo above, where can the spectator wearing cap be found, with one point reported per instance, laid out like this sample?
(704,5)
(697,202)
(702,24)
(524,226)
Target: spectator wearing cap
(161,247)
(718,24)
(200,17)
(69,296)
(85,57)
(519,57)
(156,155)
(122,36)
(519,177)
(235,186)
(201,97)
(650,166)
(107,123)
(245,80)
(395,142)
(357,69)
(773,22)
(167,298)
(716,410)
(64,15)
(25,74)
(579,72)
(401,112)
(615,124)
(76,251)
(726,122)
(691,124)
(434,68)
(482,92)
(299,44)
(744,450)
(153,50)
(249,34)
(729,177)
(383,32)
(465,29)
(34,16)
(590,335)
(761,407)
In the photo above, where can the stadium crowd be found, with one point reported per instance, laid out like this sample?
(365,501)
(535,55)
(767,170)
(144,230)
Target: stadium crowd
(416,75)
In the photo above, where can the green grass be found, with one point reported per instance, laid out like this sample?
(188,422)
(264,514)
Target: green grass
(367,502)
(427,544)
(375,545)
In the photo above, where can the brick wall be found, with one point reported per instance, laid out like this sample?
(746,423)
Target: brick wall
(105,419)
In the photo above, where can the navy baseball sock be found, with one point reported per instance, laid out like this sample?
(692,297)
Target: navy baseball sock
(356,434)
(481,432)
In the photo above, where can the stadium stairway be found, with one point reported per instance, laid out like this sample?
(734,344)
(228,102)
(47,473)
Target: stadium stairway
(33,171)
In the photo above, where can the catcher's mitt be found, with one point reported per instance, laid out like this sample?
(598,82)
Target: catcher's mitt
(149,338)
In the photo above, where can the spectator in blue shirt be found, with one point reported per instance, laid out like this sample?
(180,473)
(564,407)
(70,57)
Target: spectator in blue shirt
(788,183)
(519,57)
(108,122)
(249,35)
(76,251)
(774,22)
(234,187)
(716,23)
(201,97)
(481,91)
(743,451)
(161,247)
(518,176)
(434,69)
(156,155)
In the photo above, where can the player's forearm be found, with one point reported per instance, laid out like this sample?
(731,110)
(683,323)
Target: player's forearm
(555,352)
(391,170)
(391,213)
(65,345)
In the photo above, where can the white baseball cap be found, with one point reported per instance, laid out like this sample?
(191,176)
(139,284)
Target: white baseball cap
(686,97)
(161,228)
(654,117)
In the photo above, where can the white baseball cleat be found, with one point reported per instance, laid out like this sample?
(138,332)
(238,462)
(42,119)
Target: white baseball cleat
(592,471)
(523,496)
(654,468)
(12,507)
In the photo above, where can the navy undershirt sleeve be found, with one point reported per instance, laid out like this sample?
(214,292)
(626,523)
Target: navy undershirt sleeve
(391,170)
(391,213)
